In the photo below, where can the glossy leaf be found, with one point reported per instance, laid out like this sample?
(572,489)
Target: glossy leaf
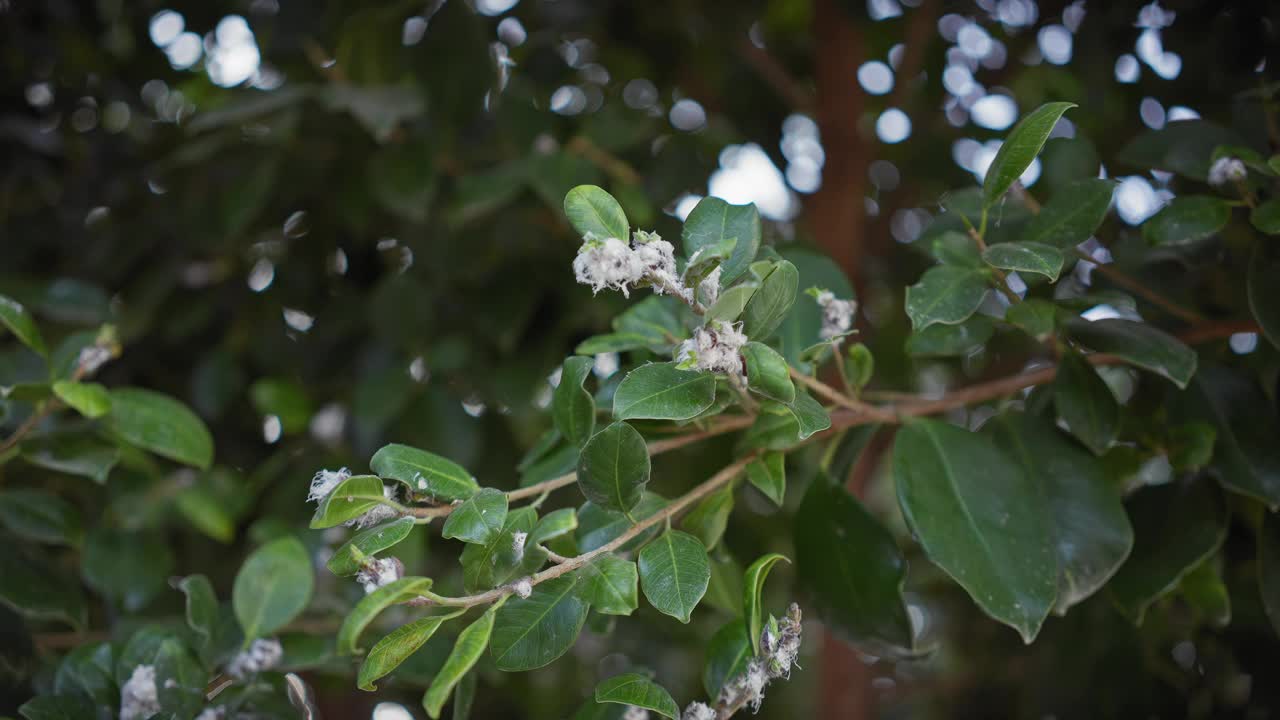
(768,372)
(18,320)
(636,690)
(499,560)
(40,517)
(554,524)
(397,646)
(1086,403)
(768,474)
(610,585)
(89,399)
(728,654)
(56,707)
(952,340)
(660,391)
(348,500)
(478,519)
(592,210)
(1175,528)
(160,424)
(712,221)
(423,472)
(1026,257)
(130,567)
(945,294)
(1264,301)
(532,632)
(273,586)
(1072,215)
(346,559)
(470,645)
(75,455)
(1138,344)
(202,605)
(1266,217)
(614,468)
(752,596)
(1186,220)
(598,526)
(1091,533)
(769,305)
(732,301)
(180,679)
(851,569)
(709,518)
(674,572)
(1020,149)
(1037,318)
(979,519)
(573,410)
(371,605)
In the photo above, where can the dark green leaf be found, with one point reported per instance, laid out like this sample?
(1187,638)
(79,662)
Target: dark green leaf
(1026,257)
(19,322)
(371,605)
(180,680)
(1072,215)
(945,294)
(952,340)
(1175,528)
(162,425)
(1204,590)
(28,585)
(609,585)
(554,524)
(89,399)
(468,648)
(801,327)
(572,408)
(1184,146)
(348,500)
(1138,344)
(273,586)
(88,671)
(129,567)
(75,455)
(592,210)
(497,561)
(769,305)
(423,472)
(1264,301)
(397,646)
(752,600)
(1266,217)
(852,569)
(202,604)
(56,707)
(713,221)
(479,518)
(40,517)
(660,391)
(1037,318)
(708,519)
(674,572)
(598,526)
(346,560)
(1186,220)
(532,632)
(768,474)
(732,301)
(614,467)
(1020,149)
(639,691)
(727,657)
(1086,403)
(979,519)
(768,372)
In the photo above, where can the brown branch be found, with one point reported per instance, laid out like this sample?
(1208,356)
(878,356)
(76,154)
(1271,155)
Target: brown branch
(1136,287)
(841,399)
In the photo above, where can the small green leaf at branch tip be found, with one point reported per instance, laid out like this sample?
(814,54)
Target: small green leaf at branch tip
(613,469)
(423,472)
(752,597)
(371,605)
(89,399)
(201,605)
(712,221)
(861,366)
(18,320)
(592,210)
(639,691)
(273,586)
(1019,149)
(768,474)
(478,518)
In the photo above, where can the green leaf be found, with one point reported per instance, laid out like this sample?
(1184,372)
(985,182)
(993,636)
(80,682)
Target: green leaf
(1138,344)
(768,474)
(952,340)
(1268,567)
(728,654)
(40,517)
(468,648)
(1204,590)
(852,570)
(660,391)
(573,410)
(202,605)
(706,259)
(1026,257)
(19,322)
(478,519)
(1184,146)
(348,500)
(180,679)
(979,519)
(752,600)
(1176,527)
(1246,458)
(1264,301)
(1266,217)
(89,399)
(861,365)
(709,518)
(497,561)
(598,526)
(273,586)
(423,472)
(84,456)
(780,426)
(554,524)
(636,690)
(1020,149)
(956,248)
(1037,318)
(347,559)
(162,425)
(371,605)
(945,294)
(713,221)
(88,671)
(130,567)
(768,372)
(769,305)
(674,572)
(592,210)
(732,301)
(397,646)
(56,707)
(532,632)
(809,415)
(614,467)
(1072,215)
(1086,403)
(1091,533)
(610,585)
(28,585)
(1186,220)
(801,327)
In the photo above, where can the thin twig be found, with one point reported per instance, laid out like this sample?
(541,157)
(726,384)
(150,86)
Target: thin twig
(841,399)
(1119,277)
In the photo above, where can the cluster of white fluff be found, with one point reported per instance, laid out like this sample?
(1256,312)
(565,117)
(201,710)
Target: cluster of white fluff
(92,357)
(260,656)
(1227,170)
(837,315)
(615,264)
(715,347)
(378,572)
(218,712)
(523,587)
(325,481)
(698,711)
(518,540)
(778,652)
(139,697)
(635,713)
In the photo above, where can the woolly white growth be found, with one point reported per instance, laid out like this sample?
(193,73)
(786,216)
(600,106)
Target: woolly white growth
(779,647)
(1227,170)
(523,587)
(262,655)
(378,572)
(715,347)
(518,540)
(783,649)
(698,711)
(214,713)
(379,512)
(709,288)
(608,263)
(635,713)
(324,482)
(837,315)
(92,357)
(139,698)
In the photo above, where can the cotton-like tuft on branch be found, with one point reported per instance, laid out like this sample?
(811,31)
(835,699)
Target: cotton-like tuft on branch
(260,656)
(139,697)
(615,264)
(379,572)
(837,314)
(715,347)
(1227,170)
(324,482)
(698,711)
